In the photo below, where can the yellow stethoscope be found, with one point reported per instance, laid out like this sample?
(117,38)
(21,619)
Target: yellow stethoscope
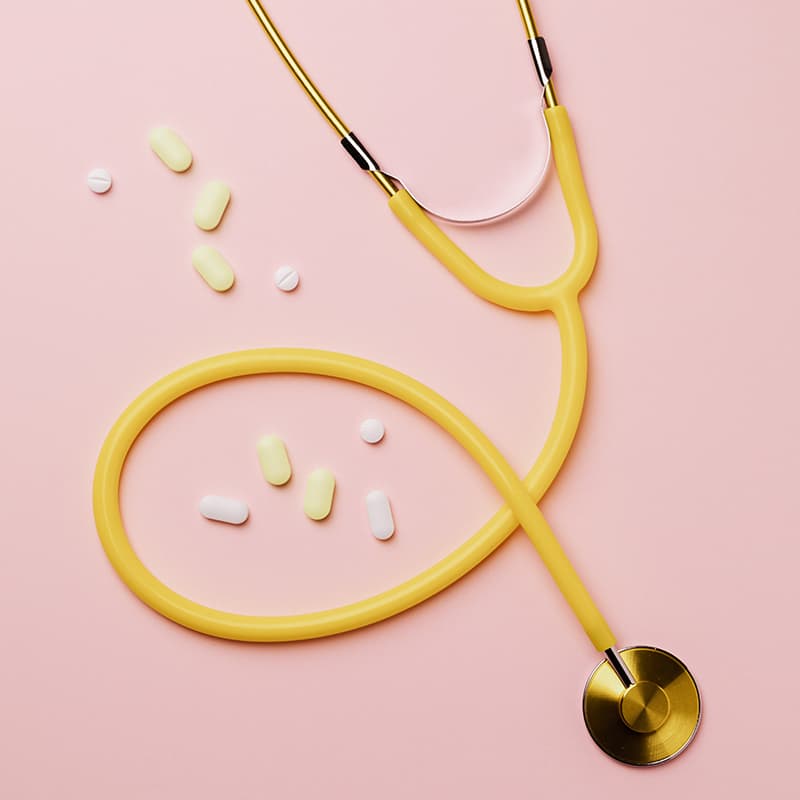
(641,704)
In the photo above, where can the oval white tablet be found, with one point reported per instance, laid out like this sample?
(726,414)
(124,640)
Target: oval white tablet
(372,431)
(286,279)
(224,509)
(381,521)
(99,180)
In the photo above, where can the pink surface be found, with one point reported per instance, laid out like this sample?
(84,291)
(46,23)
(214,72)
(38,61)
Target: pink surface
(678,503)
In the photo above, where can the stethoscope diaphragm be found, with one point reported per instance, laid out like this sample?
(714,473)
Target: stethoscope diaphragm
(649,722)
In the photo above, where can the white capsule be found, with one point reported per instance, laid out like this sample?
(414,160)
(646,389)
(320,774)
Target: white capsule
(381,521)
(99,180)
(286,279)
(372,431)
(224,509)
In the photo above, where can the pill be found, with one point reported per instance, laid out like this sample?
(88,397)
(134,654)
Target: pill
(224,509)
(171,149)
(286,279)
(274,460)
(372,431)
(99,180)
(319,494)
(211,264)
(381,521)
(211,204)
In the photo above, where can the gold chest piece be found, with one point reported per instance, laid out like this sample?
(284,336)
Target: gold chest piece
(649,722)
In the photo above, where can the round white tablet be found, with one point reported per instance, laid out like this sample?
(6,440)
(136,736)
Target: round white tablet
(372,431)
(286,279)
(99,180)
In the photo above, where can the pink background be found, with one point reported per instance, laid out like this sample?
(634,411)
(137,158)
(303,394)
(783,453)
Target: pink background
(679,502)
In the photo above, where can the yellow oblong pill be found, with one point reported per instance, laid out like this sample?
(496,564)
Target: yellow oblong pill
(213,267)
(274,460)
(211,204)
(319,494)
(171,149)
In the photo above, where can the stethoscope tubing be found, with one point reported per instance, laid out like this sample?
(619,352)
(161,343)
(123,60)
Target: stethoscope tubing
(520,508)
(559,297)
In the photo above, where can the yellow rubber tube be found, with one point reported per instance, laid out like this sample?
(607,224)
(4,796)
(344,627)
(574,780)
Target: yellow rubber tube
(560,297)
(520,298)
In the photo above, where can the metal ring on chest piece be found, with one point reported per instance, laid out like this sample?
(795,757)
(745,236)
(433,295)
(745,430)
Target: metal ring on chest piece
(649,722)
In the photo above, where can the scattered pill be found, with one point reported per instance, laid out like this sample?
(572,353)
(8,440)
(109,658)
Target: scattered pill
(213,267)
(274,460)
(171,149)
(372,431)
(319,494)
(286,279)
(99,180)
(211,204)
(381,521)
(224,509)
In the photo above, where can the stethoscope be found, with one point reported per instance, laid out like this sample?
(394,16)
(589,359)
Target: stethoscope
(641,705)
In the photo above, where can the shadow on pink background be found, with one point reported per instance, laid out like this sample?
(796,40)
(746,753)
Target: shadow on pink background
(678,502)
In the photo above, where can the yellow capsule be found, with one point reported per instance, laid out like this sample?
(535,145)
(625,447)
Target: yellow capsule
(211,264)
(274,460)
(171,149)
(319,494)
(211,204)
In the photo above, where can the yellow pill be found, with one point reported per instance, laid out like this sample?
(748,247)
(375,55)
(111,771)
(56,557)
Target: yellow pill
(213,267)
(319,494)
(211,205)
(274,460)
(171,149)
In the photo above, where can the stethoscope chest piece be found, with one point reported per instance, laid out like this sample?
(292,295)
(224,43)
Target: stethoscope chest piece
(650,721)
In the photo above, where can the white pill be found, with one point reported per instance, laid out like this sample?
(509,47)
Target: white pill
(286,279)
(372,431)
(224,509)
(99,180)
(381,521)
